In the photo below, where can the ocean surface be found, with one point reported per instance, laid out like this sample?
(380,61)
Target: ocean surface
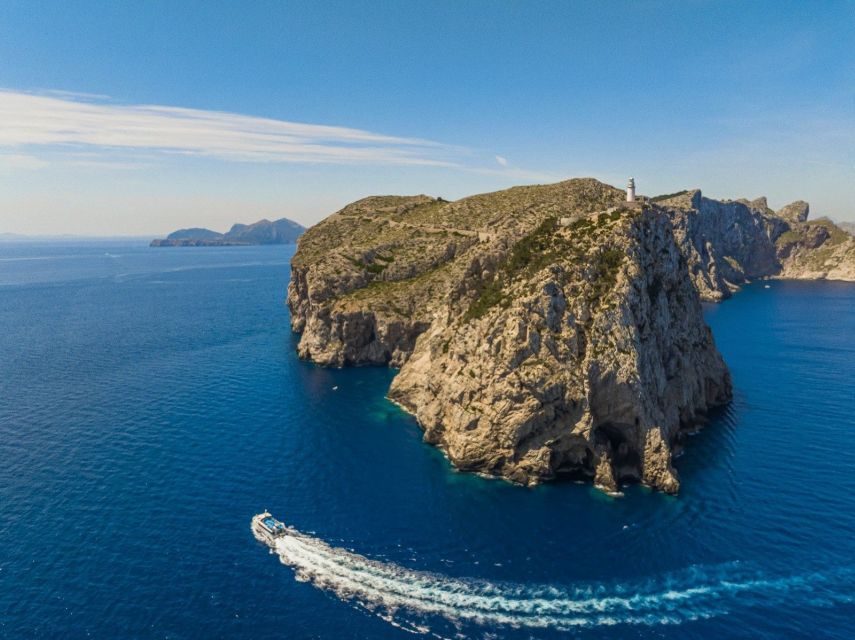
(151,403)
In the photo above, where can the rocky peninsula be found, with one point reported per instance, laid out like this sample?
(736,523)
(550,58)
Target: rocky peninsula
(548,331)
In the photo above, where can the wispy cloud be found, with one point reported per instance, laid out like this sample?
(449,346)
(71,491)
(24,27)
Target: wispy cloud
(87,130)
(67,121)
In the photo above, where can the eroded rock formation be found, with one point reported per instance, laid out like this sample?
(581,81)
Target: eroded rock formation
(729,243)
(548,330)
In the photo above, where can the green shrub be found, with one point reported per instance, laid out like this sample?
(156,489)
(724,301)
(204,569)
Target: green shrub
(489,295)
(606,265)
(533,252)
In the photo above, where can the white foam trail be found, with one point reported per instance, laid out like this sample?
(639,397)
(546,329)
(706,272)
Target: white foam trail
(700,592)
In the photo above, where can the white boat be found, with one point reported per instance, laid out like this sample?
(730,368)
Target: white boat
(267,529)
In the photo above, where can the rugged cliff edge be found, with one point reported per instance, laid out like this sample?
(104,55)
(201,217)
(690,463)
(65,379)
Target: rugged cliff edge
(547,330)
(729,243)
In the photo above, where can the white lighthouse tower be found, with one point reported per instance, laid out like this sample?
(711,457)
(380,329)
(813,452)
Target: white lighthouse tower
(630,190)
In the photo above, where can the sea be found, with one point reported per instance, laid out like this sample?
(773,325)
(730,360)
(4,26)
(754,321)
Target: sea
(151,402)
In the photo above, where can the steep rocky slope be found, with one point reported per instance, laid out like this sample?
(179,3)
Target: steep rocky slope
(586,359)
(816,249)
(729,243)
(547,330)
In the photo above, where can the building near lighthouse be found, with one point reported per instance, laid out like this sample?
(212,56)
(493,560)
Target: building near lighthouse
(631,203)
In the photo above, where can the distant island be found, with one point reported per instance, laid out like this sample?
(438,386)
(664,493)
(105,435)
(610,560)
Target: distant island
(282,231)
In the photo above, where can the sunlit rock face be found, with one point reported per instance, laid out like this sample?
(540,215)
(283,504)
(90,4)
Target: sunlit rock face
(729,243)
(544,331)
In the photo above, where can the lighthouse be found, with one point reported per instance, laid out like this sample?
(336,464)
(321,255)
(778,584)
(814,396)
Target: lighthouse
(630,190)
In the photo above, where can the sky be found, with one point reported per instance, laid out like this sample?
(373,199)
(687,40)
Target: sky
(137,118)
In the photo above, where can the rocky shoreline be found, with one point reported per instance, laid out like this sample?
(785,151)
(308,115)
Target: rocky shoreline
(547,331)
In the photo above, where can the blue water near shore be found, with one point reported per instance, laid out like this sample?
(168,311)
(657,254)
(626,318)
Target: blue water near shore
(151,403)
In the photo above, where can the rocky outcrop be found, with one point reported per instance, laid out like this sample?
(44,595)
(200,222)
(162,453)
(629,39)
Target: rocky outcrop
(725,243)
(551,330)
(795,212)
(729,243)
(527,349)
(816,249)
(588,365)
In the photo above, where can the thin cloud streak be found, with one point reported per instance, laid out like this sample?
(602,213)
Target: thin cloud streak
(45,121)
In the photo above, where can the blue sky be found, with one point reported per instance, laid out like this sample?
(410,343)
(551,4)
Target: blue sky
(137,118)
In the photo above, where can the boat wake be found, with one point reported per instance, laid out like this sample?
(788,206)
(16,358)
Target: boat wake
(411,598)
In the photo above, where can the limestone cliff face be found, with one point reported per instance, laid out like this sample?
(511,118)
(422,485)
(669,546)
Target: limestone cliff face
(547,330)
(816,249)
(729,243)
(529,348)
(588,364)
(362,281)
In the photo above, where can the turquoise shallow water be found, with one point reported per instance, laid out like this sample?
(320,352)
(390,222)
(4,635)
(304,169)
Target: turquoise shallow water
(151,403)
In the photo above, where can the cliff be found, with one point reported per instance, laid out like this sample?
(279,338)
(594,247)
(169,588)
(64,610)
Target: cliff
(544,331)
(729,243)
(282,231)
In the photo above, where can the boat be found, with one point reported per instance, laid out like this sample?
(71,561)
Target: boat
(267,529)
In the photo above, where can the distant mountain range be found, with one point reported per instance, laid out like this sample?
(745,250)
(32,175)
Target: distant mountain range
(283,231)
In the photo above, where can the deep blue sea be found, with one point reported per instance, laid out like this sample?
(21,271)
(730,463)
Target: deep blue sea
(151,403)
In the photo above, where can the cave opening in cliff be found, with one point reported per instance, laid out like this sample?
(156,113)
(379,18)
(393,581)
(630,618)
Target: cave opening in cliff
(626,461)
(577,469)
